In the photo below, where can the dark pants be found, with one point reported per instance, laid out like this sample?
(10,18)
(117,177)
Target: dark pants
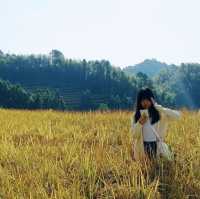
(150,149)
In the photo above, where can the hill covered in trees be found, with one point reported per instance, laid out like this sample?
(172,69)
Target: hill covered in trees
(14,96)
(150,67)
(84,85)
(181,85)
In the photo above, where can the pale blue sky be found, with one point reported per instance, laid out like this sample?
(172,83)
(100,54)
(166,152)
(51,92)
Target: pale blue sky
(123,31)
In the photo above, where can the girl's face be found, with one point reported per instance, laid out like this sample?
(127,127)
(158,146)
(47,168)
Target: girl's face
(146,104)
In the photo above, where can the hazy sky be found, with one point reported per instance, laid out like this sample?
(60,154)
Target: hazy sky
(123,31)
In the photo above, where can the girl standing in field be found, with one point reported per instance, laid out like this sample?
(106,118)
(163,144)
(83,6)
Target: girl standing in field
(149,125)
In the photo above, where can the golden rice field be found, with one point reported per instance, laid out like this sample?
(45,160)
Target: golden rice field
(47,154)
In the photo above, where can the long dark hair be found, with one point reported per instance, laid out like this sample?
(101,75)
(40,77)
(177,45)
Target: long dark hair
(153,112)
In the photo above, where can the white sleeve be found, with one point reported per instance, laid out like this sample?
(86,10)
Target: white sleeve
(174,114)
(133,124)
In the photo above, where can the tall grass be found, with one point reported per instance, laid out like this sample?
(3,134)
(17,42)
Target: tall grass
(47,154)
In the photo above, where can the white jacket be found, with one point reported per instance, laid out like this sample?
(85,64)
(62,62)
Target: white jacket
(160,127)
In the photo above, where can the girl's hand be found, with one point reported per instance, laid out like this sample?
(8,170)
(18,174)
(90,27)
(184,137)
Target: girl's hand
(143,119)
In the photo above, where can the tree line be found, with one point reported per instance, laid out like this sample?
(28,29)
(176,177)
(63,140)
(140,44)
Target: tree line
(52,81)
(14,96)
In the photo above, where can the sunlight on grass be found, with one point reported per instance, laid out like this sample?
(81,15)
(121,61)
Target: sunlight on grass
(47,154)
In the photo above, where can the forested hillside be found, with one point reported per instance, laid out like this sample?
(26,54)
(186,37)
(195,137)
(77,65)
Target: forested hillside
(84,85)
(150,67)
(14,96)
(182,85)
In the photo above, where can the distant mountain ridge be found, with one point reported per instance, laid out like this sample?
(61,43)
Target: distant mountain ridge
(150,67)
